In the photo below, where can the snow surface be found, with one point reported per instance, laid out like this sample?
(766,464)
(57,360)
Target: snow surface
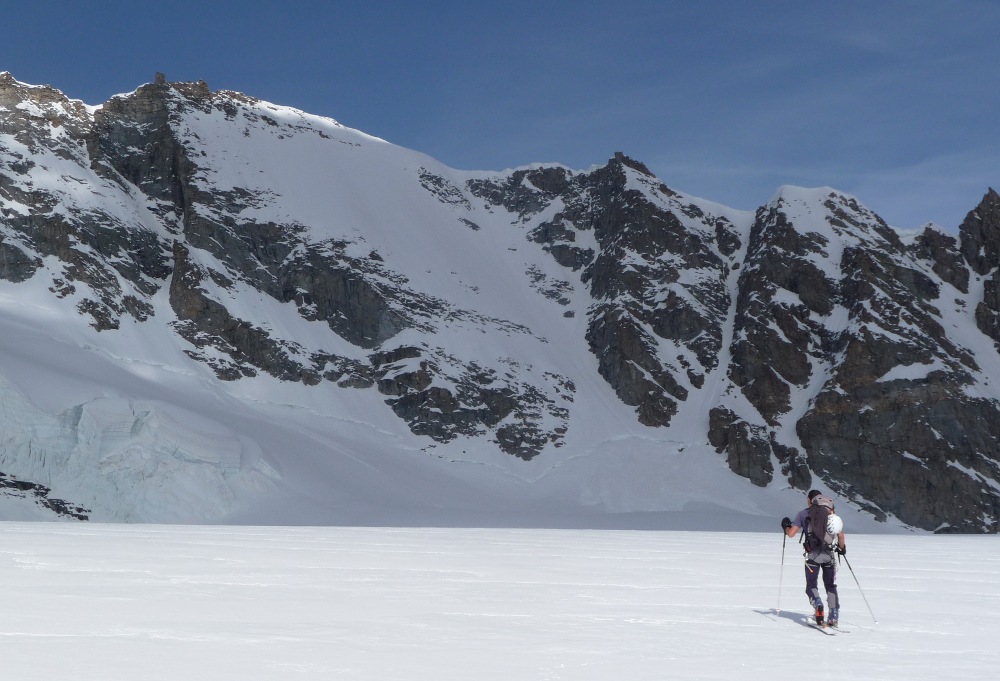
(130,427)
(102,602)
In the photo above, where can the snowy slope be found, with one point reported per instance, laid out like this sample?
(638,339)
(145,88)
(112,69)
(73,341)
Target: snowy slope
(337,455)
(218,309)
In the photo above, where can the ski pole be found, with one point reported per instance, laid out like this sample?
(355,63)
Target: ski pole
(844,556)
(781,576)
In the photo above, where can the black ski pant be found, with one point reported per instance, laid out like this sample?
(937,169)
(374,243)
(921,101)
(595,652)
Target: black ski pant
(825,564)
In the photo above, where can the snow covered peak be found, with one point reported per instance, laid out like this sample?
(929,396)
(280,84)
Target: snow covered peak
(368,334)
(802,195)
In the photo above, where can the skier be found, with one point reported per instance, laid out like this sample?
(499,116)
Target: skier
(824,536)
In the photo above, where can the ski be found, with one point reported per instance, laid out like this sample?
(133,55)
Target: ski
(819,627)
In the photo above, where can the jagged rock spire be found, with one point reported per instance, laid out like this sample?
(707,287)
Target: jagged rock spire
(980,234)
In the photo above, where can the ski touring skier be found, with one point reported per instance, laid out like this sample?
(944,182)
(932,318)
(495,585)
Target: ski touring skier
(823,536)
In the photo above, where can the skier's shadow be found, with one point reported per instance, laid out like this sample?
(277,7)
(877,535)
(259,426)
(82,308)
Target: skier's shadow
(797,617)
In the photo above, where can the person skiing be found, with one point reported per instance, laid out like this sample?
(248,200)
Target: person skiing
(824,536)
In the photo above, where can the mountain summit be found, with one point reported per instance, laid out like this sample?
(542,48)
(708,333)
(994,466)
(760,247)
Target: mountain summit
(217,309)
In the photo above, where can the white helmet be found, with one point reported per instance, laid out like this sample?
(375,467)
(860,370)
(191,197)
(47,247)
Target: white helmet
(834,525)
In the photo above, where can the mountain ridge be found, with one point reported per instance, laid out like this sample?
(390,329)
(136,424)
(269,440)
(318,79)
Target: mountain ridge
(509,319)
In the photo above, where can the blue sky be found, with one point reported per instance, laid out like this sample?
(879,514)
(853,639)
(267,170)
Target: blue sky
(895,101)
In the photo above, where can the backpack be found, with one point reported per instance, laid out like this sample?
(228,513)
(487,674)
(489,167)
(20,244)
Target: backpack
(817,536)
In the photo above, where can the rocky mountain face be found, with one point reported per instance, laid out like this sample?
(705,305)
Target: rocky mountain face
(840,311)
(808,342)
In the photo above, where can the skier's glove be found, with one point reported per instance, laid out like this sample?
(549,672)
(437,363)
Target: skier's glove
(786,523)
(842,550)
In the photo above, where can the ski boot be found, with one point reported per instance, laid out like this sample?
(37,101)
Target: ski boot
(834,617)
(819,613)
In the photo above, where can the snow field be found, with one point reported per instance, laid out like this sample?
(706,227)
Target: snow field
(110,602)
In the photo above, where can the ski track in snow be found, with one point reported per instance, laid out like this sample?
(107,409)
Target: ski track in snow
(109,602)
